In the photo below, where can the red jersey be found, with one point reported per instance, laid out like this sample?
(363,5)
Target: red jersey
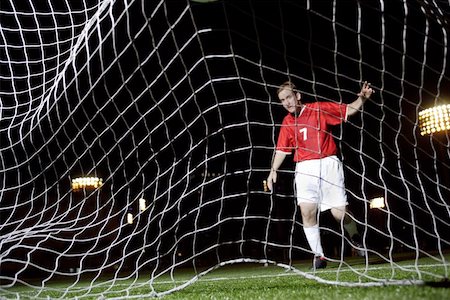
(309,134)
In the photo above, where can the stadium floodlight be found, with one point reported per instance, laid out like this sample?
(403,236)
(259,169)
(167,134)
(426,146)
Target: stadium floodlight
(86,183)
(130,218)
(377,202)
(142,204)
(434,119)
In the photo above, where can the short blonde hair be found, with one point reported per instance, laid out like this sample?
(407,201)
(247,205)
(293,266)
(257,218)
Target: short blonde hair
(287,85)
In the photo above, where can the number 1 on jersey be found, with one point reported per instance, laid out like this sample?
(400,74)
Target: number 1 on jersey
(304,130)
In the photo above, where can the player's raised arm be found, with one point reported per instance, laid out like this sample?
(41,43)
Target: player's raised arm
(363,95)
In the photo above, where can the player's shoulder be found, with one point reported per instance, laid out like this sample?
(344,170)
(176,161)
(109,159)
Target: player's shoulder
(323,104)
(312,106)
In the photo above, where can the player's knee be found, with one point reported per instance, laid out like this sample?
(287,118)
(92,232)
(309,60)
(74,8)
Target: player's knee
(309,219)
(339,213)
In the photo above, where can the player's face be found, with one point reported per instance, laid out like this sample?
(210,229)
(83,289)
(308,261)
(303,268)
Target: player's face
(290,100)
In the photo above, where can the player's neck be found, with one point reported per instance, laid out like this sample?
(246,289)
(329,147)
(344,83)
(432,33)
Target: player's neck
(297,112)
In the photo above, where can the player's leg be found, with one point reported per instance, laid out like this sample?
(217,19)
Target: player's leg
(335,198)
(312,232)
(307,188)
(311,227)
(333,191)
(344,218)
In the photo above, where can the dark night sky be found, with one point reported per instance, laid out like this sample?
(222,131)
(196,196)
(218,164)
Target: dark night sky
(150,117)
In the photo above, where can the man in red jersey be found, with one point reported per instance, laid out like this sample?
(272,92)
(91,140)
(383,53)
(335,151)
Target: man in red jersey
(319,176)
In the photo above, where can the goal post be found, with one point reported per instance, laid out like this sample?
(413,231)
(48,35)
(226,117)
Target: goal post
(135,137)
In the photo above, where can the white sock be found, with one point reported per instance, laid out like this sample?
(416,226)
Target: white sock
(313,236)
(351,228)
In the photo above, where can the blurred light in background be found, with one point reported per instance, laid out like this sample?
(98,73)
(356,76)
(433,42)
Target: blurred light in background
(434,119)
(377,202)
(86,182)
(142,205)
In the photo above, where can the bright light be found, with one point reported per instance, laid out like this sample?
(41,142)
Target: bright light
(86,182)
(265,187)
(434,119)
(142,205)
(377,202)
(129,218)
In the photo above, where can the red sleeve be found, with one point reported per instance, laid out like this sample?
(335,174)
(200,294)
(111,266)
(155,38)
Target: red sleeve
(334,113)
(284,143)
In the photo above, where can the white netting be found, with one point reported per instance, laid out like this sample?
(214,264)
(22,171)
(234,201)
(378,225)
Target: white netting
(174,102)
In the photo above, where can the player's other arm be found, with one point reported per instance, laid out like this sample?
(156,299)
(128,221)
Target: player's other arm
(276,163)
(363,95)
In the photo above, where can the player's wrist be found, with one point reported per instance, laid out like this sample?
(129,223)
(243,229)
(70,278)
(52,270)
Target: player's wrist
(363,97)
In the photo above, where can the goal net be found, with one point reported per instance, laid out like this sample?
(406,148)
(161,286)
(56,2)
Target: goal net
(136,135)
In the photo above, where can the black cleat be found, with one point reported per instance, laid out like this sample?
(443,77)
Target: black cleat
(319,262)
(358,246)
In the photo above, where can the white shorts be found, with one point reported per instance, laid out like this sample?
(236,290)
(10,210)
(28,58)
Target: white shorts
(321,181)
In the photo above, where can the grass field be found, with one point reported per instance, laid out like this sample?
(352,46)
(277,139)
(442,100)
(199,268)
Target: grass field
(256,281)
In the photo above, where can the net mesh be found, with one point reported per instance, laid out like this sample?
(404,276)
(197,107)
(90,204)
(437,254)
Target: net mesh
(172,106)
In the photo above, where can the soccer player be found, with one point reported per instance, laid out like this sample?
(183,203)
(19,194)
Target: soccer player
(319,176)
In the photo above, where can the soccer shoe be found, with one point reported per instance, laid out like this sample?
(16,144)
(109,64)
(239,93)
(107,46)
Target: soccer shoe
(358,246)
(319,262)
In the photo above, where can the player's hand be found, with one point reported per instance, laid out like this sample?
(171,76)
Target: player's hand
(271,180)
(366,91)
